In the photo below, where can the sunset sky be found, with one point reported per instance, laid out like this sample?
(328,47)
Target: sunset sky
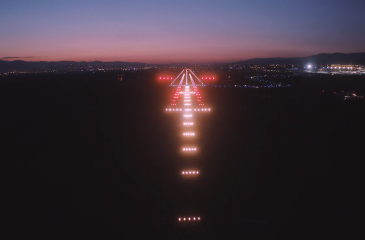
(178,31)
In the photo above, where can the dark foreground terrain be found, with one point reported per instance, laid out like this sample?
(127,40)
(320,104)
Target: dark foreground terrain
(96,158)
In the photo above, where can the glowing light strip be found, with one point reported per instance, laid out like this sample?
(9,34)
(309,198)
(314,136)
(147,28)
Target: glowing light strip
(190,172)
(187,104)
(177,77)
(196,77)
(184,219)
(173,110)
(188,115)
(201,109)
(189,149)
(188,123)
(188,134)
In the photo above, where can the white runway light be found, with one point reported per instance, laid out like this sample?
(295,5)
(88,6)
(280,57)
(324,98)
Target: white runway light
(189,149)
(188,124)
(180,219)
(188,134)
(188,115)
(190,172)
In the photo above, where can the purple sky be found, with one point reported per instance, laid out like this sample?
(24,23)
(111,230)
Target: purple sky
(178,31)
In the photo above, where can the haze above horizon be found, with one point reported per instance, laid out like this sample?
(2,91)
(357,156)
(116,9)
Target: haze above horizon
(183,31)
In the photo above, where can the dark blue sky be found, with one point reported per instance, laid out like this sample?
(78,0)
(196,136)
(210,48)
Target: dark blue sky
(178,31)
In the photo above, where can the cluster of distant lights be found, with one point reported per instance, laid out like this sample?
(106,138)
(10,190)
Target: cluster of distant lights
(188,134)
(189,219)
(188,124)
(189,149)
(190,172)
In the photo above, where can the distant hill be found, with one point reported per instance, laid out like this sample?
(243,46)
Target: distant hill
(323,58)
(20,65)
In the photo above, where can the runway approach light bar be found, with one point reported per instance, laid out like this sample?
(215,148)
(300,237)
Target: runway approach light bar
(188,124)
(188,134)
(184,219)
(189,149)
(201,109)
(190,172)
(173,110)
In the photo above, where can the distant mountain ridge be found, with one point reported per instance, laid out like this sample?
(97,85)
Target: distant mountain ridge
(20,65)
(322,58)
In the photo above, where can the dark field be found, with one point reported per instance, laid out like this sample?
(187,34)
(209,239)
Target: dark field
(95,158)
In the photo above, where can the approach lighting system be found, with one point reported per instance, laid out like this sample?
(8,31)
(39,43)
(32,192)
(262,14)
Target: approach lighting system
(189,149)
(190,172)
(186,219)
(188,134)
